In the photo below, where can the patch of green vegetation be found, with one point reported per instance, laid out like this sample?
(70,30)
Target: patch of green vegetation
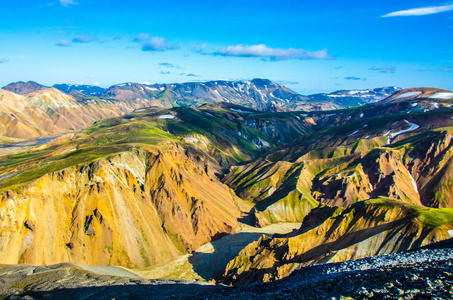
(434,217)
(273,115)
(86,155)
(174,238)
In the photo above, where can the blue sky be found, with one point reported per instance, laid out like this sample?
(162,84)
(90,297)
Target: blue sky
(310,46)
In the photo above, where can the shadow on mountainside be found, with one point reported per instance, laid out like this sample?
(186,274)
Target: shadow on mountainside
(211,263)
(323,253)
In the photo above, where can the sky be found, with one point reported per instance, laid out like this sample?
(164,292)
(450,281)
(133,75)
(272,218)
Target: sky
(308,46)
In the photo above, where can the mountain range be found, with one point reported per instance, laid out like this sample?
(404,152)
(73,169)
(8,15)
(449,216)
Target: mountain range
(232,192)
(257,93)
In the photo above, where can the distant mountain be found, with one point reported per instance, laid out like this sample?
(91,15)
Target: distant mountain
(50,111)
(89,90)
(23,88)
(419,93)
(259,94)
(350,98)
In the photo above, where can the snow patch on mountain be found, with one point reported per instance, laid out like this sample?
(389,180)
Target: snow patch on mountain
(442,95)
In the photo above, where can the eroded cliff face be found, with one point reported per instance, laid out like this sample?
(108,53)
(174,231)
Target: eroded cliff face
(288,183)
(132,209)
(333,234)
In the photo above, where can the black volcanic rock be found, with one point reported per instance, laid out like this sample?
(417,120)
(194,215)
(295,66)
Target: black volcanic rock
(23,88)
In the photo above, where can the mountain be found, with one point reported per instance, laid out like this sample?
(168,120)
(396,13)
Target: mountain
(416,274)
(258,93)
(169,191)
(89,90)
(23,88)
(49,111)
(353,98)
(134,191)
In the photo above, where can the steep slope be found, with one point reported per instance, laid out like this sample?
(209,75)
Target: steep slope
(133,209)
(331,234)
(23,88)
(399,150)
(135,191)
(50,111)
(364,181)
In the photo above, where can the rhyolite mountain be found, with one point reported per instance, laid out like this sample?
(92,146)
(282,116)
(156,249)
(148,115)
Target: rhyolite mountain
(50,111)
(30,110)
(151,187)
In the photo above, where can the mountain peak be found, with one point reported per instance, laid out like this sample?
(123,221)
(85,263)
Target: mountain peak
(23,88)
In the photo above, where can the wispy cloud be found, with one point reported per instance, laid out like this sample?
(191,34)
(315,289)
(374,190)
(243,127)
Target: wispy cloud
(263,51)
(284,82)
(420,11)
(200,47)
(83,39)
(169,65)
(354,78)
(3,60)
(64,43)
(165,72)
(192,75)
(387,69)
(448,69)
(66,3)
(141,37)
(158,43)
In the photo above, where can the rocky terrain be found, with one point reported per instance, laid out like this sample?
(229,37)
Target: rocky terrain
(424,273)
(160,189)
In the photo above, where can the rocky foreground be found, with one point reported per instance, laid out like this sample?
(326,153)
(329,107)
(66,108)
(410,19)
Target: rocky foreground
(425,273)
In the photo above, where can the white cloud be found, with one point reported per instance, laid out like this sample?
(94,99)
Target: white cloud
(66,3)
(3,60)
(158,43)
(263,51)
(420,11)
(63,43)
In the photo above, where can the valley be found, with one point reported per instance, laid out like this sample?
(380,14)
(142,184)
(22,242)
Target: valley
(238,183)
